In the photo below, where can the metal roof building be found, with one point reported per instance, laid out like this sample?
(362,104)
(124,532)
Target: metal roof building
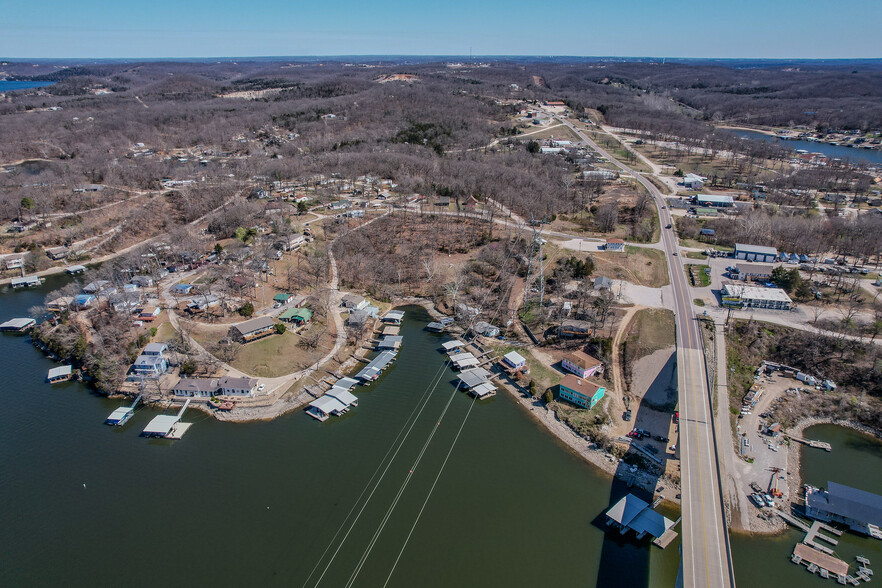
(633,513)
(755,253)
(860,510)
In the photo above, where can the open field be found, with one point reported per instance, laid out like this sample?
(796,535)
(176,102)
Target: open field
(639,265)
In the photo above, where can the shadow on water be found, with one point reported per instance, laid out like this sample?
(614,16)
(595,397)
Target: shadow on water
(626,560)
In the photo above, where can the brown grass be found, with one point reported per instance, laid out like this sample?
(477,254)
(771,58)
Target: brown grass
(639,265)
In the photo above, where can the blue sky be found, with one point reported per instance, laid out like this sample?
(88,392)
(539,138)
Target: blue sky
(658,28)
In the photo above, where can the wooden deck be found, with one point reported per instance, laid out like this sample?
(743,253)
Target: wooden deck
(810,555)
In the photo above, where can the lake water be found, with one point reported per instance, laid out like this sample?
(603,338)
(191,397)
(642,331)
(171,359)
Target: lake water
(856,460)
(7,86)
(261,504)
(868,155)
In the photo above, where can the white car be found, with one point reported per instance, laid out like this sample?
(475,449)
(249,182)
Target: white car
(261,387)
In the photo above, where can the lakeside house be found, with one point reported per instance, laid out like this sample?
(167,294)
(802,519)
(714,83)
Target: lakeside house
(354,302)
(57,252)
(298,316)
(581,364)
(861,511)
(572,328)
(514,360)
(14,261)
(252,330)
(485,329)
(580,392)
(150,366)
(237,386)
(357,319)
(83,301)
(196,387)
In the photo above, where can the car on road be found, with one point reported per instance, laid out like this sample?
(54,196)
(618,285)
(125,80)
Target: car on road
(675,253)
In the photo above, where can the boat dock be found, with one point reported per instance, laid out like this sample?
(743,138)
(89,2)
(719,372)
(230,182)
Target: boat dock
(122,414)
(17,325)
(817,560)
(816,444)
(168,426)
(60,374)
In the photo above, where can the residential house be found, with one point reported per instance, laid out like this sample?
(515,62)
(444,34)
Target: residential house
(150,366)
(252,330)
(83,301)
(242,283)
(155,349)
(357,319)
(97,287)
(614,245)
(579,391)
(485,329)
(354,302)
(203,302)
(599,174)
(298,316)
(602,283)
(181,289)
(57,252)
(572,328)
(514,360)
(580,363)
(14,261)
(282,297)
(148,313)
(233,386)
(196,387)
(142,281)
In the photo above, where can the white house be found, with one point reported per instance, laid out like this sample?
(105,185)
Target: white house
(514,360)
(232,386)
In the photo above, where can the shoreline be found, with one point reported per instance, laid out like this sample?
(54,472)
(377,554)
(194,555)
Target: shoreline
(601,460)
(794,460)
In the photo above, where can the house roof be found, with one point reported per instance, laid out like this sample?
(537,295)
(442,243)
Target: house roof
(755,293)
(197,385)
(580,385)
(514,357)
(155,348)
(715,198)
(258,324)
(302,313)
(240,383)
(473,377)
(282,297)
(582,359)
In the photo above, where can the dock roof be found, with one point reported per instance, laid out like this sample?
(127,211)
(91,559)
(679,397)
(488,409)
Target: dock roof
(635,513)
(391,342)
(474,377)
(17,323)
(343,395)
(58,372)
(455,344)
(120,413)
(347,383)
(161,425)
(328,404)
(394,315)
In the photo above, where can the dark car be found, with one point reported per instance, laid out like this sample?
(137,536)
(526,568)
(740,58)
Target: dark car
(626,416)
(669,226)
(661,438)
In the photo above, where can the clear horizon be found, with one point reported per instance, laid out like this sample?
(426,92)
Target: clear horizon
(758,29)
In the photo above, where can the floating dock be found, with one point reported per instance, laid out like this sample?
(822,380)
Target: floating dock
(811,443)
(122,414)
(17,325)
(167,426)
(809,556)
(60,374)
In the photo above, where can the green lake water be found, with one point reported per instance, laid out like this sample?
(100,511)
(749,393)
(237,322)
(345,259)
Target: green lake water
(83,504)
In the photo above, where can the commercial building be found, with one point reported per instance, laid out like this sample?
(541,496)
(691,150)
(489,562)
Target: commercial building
(755,253)
(714,200)
(861,511)
(753,271)
(693,182)
(581,364)
(754,297)
(580,392)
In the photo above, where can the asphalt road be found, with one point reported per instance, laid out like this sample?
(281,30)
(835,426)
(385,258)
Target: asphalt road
(706,557)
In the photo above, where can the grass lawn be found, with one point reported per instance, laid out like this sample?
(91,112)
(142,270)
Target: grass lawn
(650,330)
(273,356)
(165,332)
(696,255)
(584,421)
(639,265)
(696,275)
(698,301)
(544,376)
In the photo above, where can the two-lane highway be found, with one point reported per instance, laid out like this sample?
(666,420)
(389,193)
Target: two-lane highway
(707,561)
